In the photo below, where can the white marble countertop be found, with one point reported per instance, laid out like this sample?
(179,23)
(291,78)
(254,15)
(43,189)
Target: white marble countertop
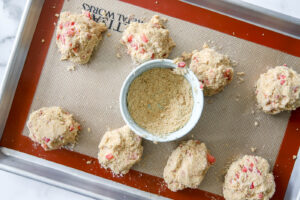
(15,187)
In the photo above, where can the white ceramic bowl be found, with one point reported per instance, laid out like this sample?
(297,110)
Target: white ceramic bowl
(197,96)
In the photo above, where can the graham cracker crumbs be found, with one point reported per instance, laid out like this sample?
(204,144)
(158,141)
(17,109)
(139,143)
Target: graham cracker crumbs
(205,45)
(71,68)
(118,55)
(160,101)
(253,149)
(56,15)
(43,40)
(103,13)
(294,157)
(240,73)
(89,129)
(131,17)
(89,162)
(108,34)
(256,123)
(186,55)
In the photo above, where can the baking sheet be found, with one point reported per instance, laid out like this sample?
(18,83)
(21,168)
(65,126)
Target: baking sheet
(226,126)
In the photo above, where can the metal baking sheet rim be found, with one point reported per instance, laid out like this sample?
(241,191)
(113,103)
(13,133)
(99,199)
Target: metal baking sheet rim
(62,176)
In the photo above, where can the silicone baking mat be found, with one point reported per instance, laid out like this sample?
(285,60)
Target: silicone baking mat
(91,93)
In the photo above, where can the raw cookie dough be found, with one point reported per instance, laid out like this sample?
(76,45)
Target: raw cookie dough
(53,128)
(214,70)
(187,165)
(145,41)
(77,35)
(119,150)
(249,178)
(278,89)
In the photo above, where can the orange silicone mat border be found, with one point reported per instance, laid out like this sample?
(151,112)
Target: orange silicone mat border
(13,138)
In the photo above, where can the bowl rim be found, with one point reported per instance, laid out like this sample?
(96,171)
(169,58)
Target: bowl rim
(197,93)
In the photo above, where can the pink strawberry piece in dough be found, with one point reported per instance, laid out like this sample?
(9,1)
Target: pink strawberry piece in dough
(144,38)
(88,14)
(46,139)
(71,128)
(72,23)
(109,156)
(282,76)
(237,176)
(60,26)
(244,169)
(282,82)
(142,51)
(129,39)
(70,33)
(210,158)
(135,46)
(58,36)
(63,40)
(260,195)
(181,64)
(258,171)
(252,186)
(152,57)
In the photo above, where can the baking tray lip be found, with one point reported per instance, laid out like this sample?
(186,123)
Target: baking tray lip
(256,15)
(67,178)
(15,63)
(14,66)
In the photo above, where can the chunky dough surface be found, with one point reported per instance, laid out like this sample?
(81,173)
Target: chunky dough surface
(278,90)
(187,165)
(52,127)
(119,150)
(249,178)
(145,41)
(213,70)
(77,35)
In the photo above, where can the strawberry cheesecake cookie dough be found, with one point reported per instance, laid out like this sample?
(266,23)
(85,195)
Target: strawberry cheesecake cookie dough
(187,165)
(119,150)
(249,178)
(278,90)
(77,35)
(214,70)
(53,128)
(145,41)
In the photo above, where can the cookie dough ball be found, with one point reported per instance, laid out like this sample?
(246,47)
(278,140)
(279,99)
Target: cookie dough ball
(278,89)
(145,41)
(214,70)
(249,178)
(187,165)
(119,150)
(53,128)
(77,35)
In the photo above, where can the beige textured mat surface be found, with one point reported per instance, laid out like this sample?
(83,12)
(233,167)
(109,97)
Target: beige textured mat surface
(91,92)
